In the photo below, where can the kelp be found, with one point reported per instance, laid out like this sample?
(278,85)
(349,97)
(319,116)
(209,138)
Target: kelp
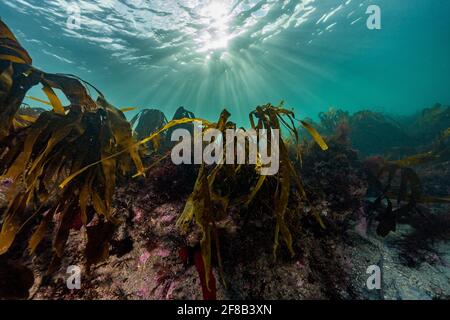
(269,118)
(439,152)
(51,145)
(25,116)
(417,159)
(130,148)
(408,193)
(207,204)
(64,163)
(148,121)
(180,113)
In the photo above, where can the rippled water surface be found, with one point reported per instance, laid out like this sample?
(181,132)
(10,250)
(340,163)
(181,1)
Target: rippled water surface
(207,54)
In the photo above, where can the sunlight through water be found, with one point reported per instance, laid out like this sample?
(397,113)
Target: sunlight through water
(216,36)
(211,54)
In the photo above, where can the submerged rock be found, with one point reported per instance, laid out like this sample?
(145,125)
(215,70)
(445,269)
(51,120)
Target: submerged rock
(147,260)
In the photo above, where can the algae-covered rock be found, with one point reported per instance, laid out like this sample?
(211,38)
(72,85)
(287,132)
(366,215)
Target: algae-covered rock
(428,124)
(373,133)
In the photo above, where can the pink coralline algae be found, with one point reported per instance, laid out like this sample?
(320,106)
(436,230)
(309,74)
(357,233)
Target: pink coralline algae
(172,288)
(144,257)
(161,252)
(157,252)
(138,215)
(361,226)
(143,293)
(167,218)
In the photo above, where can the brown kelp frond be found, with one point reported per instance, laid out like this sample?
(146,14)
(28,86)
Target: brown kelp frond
(398,180)
(270,117)
(408,192)
(205,206)
(417,159)
(182,113)
(208,203)
(25,116)
(132,149)
(54,147)
(148,121)
(409,183)
(47,147)
(10,49)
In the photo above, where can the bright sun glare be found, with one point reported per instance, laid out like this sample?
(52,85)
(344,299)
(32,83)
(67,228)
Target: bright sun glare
(215,36)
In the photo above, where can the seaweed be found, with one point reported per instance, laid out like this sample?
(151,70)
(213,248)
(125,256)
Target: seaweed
(419,245)
(382,176)
(332,119)
(206,206)
(395,137)
(181,113)
(408,180)
(52,145)
(149,121)
(63,164)
(428,124)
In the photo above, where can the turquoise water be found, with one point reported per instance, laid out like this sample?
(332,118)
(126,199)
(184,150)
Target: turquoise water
(207,55)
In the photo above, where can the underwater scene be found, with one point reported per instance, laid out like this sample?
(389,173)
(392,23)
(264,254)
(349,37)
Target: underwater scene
(224,150)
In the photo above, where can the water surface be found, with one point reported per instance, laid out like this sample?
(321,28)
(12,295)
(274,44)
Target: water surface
(207,54)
